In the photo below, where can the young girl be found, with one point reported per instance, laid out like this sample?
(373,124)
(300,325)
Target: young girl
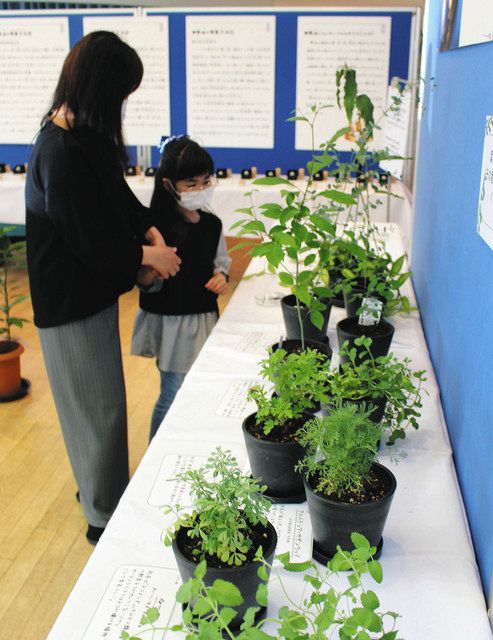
(178,314)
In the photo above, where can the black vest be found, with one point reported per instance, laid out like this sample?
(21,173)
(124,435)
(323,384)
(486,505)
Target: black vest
(196,245)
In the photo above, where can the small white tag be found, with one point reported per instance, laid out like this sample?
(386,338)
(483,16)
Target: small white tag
(372,311)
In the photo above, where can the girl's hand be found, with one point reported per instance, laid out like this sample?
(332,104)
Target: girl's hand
(217,284)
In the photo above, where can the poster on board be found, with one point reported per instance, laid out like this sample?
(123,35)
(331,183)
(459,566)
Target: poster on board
(33,51)
(485,205)
(476,22)
(325,44)
(148,111)
(231,80)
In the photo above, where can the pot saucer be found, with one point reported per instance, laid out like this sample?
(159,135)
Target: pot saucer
(25,384)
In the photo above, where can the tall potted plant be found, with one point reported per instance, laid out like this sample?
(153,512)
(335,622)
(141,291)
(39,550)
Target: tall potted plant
(227,528)
(300,382)
(12,386)
(346,488)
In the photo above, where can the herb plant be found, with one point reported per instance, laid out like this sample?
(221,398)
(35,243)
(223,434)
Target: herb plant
(300,381)
(351,612)
(226,507)
(340,449)
(11,255)
(383,377)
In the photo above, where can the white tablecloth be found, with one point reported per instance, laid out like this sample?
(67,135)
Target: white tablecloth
(430,575)
(228,196)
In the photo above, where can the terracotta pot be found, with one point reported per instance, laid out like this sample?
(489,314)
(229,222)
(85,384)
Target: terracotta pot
(10,371)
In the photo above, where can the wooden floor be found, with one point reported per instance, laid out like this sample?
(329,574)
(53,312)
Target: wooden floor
(43,547)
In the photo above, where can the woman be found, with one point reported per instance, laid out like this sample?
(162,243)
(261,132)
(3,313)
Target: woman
(85,247)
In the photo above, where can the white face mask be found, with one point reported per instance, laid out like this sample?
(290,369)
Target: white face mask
(193,200)
(124,108)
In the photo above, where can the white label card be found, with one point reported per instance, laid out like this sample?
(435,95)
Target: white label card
(132,590)
(234,403)
(167,490)
(395,129)
(485,206)
(294,531)
(372,312)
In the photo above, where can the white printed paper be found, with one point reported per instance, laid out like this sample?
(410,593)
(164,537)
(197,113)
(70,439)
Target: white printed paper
(485,206)
(256,342)
(476,22)
(371,311)
(32,51)
(234,403)
(325,44)
(294,531)
(132,590)
(148,110)
(168,491)
(231,80)
(395,128)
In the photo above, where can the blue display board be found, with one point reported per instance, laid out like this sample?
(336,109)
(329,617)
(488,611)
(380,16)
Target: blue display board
(283,154)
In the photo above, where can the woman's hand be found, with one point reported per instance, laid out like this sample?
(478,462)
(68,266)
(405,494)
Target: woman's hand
(217,284)
(161,258)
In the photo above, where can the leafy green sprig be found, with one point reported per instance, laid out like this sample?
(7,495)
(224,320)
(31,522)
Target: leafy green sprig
(383,377)
(226,505)
(12,255)
(351,611)
(340,449)
(300,380)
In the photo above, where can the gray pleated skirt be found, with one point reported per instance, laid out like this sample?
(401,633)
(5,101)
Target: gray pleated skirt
(84,364)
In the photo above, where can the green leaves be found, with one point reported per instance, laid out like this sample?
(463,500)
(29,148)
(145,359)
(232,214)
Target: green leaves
(150,616)
(375,569)
(261,595)
(269,182)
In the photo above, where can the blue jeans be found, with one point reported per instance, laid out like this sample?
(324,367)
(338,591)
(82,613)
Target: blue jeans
(170,383)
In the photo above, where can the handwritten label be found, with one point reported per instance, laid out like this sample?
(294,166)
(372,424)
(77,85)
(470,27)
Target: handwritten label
(132,590)
(395,129)
(32,51)
(231,80)
(234,403)
(294,531)
(256,342)
(371,313)
(167,490)
(325,44)
(148,110)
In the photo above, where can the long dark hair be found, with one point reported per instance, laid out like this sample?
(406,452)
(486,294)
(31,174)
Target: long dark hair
(181,159)
(98,74)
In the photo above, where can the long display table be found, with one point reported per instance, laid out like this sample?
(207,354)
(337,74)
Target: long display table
(430,574)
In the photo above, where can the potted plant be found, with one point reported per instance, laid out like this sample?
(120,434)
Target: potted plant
(346,488)
(300,382)
(388,384)
(12,386)
(350,611)
(227,527)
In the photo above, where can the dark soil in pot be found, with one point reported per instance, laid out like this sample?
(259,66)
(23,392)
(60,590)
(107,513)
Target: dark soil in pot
(292,324)
(333,520)
(294,346)
(273,458)
(244,577)
(6,346)
(381,334)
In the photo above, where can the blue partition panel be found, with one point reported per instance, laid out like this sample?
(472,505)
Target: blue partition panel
(453,267)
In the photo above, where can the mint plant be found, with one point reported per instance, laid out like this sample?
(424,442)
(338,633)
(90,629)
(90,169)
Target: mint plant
(226,506)
(351,612)
(375,378)
(300,381)
(340,449)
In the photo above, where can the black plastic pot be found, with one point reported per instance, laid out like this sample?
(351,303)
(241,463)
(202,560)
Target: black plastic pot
(381,335)
(375,416)
(244,577)
(333,521)
(272,463)
(353,300)
(292,324)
